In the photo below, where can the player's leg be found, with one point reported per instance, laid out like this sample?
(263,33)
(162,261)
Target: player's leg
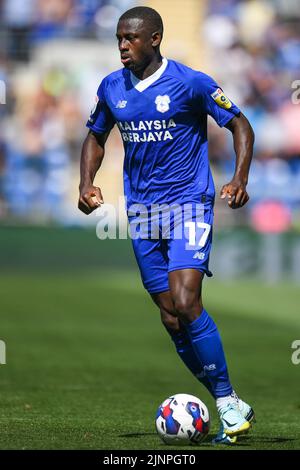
(154,267)
(179,336)
(151,256)
(185,289)
(188,259)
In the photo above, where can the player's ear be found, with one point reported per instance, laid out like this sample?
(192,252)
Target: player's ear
(156,38)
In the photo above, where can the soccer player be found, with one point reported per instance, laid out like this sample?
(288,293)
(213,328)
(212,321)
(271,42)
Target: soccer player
(160,107)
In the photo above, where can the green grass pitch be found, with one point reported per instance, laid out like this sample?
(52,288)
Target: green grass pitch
(88,363)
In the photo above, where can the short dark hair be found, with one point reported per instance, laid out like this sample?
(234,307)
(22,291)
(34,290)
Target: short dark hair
(150,16)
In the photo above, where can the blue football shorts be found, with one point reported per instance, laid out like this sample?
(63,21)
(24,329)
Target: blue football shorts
(171,238)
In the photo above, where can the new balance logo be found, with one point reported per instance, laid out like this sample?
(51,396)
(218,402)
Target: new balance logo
(210,367)
(199,255)
(121,104)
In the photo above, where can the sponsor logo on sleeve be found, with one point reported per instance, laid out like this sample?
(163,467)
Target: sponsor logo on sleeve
(221,99)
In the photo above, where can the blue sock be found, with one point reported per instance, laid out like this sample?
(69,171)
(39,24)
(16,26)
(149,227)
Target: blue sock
(187,354)
(208,348)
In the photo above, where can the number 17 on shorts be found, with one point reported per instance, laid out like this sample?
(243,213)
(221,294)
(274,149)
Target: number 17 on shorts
(197,234)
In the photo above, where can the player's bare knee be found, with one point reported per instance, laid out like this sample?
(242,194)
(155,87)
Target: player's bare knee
(187,309)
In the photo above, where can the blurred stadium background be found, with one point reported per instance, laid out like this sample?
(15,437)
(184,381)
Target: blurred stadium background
(53,55)
(55,272)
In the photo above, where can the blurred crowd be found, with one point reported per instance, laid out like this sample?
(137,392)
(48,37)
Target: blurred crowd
(29,22)
(253,50)
(48,99)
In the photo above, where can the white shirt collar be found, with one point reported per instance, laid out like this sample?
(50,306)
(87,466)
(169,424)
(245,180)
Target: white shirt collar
(141,85)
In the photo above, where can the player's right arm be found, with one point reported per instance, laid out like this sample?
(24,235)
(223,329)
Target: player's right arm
(100,123)
(92,154)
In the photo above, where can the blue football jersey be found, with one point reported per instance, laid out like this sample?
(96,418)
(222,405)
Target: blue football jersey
(163,125)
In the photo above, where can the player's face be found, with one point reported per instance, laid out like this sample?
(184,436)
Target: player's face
(136,44)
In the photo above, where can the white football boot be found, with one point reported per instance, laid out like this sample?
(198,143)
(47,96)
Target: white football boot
(236,421)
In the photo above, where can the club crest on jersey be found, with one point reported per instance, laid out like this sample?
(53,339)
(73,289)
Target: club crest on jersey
(221,99)
(162,103)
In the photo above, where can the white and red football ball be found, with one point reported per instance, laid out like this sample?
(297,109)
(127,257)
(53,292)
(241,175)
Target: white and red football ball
(182,419)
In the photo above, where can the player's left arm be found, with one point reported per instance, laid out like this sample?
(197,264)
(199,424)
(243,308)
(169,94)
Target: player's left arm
(243,141)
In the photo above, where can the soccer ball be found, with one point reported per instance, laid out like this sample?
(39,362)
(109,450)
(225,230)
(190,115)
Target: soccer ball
(182,419)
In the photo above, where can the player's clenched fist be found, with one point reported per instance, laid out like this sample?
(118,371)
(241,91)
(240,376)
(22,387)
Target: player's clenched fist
(236,193)
(89,199)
